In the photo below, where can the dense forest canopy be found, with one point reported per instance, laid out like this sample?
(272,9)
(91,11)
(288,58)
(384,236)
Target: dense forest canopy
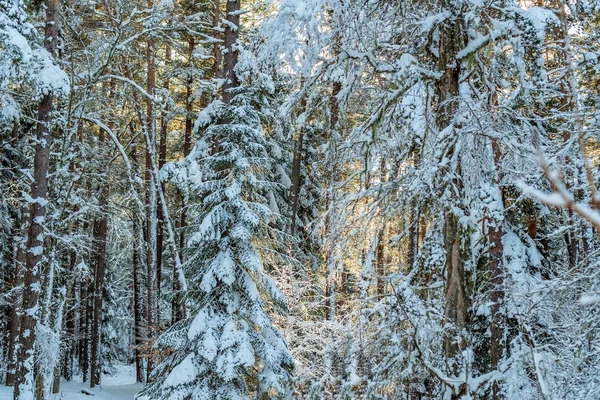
(308,199)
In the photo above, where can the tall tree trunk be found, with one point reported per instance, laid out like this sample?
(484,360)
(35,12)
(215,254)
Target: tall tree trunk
(162,159)
(138,308)
(296,170)
(25,385)
(232,53)
(496,255)
(456,307)
(84,313)
(100,234)
(568,101)
(69,337)
(217,35)
(331,279)
(138,297)
(151,198)
(295,189)
(61,324)
(381,259)
(16,298)
(177,306)
(413,236)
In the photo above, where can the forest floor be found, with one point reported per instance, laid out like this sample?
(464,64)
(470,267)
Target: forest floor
(119,386)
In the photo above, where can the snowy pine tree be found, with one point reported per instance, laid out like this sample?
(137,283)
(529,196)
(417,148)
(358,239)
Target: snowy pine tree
(229,349)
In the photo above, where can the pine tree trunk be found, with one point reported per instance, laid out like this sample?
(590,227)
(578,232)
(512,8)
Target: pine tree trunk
(177,307)
(217,35)
(60,328)
(232,53)
(70,325)
(496,255)
(25,385)
(100,234)
(151,199)
(83,327)
(381,259)
(331,279)
(67,364)
(138,308)
(14,315)
(455,310)
(296,171)
(162,159)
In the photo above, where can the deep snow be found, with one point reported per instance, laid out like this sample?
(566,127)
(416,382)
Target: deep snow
(119,386)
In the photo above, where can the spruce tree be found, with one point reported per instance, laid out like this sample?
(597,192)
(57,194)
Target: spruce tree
(229,349)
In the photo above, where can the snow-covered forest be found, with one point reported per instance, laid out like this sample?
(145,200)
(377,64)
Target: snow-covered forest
(300,199)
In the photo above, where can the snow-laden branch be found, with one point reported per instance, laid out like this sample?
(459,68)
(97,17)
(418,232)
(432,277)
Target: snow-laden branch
(561,197)
(167,217)
(132,83)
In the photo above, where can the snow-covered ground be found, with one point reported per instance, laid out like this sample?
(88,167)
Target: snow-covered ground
(119,386)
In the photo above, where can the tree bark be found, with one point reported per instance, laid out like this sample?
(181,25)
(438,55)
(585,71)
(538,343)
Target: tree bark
(100,234)
(455,310)
(177,307)
(496,255)
(296,171)
(138,308)
(83,327)
(231,52)
(331,279)
(151,198)
(217,35)
(25,385)
(14,314)
(162,159)
(69,339)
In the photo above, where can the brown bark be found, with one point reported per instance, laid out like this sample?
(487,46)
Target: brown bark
(16,298)
(138,309)
(568,102)
(380,262)
(35,241)
(67,364)
(84,314)
(67,326)
(381,257)
(296,171)
(151,306)
(162,159)
(100,234)
(413,237)
(138,297)
(177,311)
(455,310)
(217,35)
(231,54)
(189,123)
(331,279)
(496,254)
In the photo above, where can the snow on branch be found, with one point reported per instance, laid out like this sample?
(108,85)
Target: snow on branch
(562,198)
(132,83)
